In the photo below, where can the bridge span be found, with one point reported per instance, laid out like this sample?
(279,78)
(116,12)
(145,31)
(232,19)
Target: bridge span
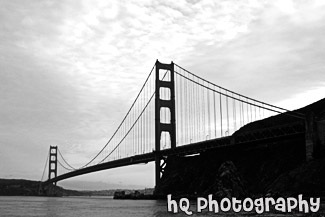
(251,138)
(189,115)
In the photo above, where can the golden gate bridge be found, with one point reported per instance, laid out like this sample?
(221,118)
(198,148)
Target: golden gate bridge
(177,113)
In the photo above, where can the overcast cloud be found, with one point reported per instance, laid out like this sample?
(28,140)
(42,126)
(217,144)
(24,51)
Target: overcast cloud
(69,70)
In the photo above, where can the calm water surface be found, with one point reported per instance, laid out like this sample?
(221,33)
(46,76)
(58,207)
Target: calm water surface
(96,206)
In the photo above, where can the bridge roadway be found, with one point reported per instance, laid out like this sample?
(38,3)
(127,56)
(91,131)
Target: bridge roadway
(253,137)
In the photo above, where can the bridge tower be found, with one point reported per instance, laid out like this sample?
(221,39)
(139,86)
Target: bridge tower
(160,103)
(53,162)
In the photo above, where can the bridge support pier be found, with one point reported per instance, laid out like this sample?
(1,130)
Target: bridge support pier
(49,188)
(168,127)
(53,162)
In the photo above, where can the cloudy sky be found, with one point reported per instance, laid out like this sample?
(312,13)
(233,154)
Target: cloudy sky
(69,70)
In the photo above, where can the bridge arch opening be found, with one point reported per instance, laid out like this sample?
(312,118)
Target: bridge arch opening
(165,115)
(164,75)
(164,93)
(165,141)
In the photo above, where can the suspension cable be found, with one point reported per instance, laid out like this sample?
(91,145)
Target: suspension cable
(237,93)
(133,123)
(291,113)
(122,120)
(47,159)
(40,183)
(65,160)
(64,166)
(129,129)
(251,102)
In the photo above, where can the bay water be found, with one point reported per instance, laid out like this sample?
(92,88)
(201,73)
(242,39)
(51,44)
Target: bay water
(15,206)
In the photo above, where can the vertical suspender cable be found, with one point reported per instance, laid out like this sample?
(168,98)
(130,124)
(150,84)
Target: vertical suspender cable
(199,108)
(209,123)
(214,109)
(203,99)
(247,111)
(220,114)
(227,112)
(234,112)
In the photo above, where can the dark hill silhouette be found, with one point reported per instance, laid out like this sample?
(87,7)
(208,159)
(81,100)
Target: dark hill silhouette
(268,168)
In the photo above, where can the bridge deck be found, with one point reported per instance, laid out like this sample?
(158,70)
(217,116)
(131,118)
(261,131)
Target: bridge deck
(272,133)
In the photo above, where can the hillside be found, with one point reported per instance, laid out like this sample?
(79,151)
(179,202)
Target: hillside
(21,187)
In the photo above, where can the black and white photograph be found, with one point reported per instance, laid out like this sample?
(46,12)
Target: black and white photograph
(151,108)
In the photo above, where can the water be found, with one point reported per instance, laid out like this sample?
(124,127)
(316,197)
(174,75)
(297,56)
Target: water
(79,206)
(97,206)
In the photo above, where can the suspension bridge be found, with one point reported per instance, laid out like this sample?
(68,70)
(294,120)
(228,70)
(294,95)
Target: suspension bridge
(178,113)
